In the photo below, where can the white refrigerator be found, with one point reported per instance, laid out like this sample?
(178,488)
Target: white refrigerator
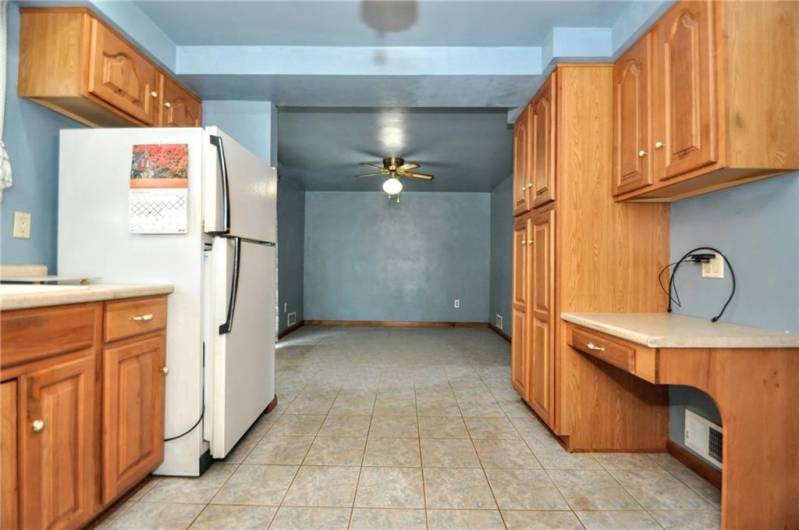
(221,319)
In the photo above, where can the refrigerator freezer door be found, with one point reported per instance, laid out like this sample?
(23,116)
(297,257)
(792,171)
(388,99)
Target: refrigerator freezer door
(243,358)
(239,191)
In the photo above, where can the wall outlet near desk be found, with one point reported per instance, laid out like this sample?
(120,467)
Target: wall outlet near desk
(713,268)
(22,225)
(457,303)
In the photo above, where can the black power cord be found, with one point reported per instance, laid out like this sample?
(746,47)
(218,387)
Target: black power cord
(672,286)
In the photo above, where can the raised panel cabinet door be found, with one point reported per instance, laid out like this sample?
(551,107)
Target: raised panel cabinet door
(519,352)
(133,413)
(542,355)
(543,144)
(120,76)
(521,151)
(178,107)
(9,457)
(58,446)
(520,259)
(632,161)
(685,105)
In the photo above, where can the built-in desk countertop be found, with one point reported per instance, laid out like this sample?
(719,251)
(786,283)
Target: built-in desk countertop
(751,373)
(25,296)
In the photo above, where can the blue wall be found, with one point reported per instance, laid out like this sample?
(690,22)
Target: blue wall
(251,123)
(757,228)
(290,248)
(31,138)
(501,253)
(369,259)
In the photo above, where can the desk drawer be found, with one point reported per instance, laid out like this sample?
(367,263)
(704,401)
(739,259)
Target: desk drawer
(128,318)
(617,354)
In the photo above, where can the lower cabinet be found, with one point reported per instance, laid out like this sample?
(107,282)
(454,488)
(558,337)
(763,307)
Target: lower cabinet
(82,421)
(540,393)
(133,413)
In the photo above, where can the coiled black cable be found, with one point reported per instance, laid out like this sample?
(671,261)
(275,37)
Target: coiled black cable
(680,262)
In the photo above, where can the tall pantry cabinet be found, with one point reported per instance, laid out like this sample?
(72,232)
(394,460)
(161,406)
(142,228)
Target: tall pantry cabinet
(576,249)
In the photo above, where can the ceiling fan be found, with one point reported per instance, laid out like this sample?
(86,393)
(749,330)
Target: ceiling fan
(395,168)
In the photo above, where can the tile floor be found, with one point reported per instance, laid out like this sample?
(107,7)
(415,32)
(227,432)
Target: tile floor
(406,429)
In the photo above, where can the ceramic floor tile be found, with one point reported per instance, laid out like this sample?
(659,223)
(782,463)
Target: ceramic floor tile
(397,452)
(349,426)
(457,488)
(525,489)
(190,490)
(625,460)
(564,460)
(297,425)
(394,427)
(592,490)
(496,428)
(541,520)
(464,520)
(656,489)
(390,487)
(293,518)
(618,520)
(380,519)
(256,485)
(336,451)
(310,405)
(242,449)
(505,453)
(323,486)
(687,519)
(448,452)
(442,427)
(234,518)
(286,450)
(156,516)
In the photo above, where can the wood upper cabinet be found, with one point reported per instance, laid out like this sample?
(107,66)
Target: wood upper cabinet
(133,413)
(178,107)
(521,163)
(722,105)
(686,130)
(120,76)
(58,445)
(632,162)
(541,380)
(75,64)
(543,123)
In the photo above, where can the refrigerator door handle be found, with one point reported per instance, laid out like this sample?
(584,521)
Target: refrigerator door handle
(216,141)
(234,287)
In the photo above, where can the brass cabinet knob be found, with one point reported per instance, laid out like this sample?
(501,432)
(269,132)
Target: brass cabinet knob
(524,188)
(38,425)
(529,241)
(168,105)
(524,242)
(641,153)
(658,145)
(154,94)
(165,370)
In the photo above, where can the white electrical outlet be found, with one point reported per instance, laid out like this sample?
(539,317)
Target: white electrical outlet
(457,303)
(498,321)
(285,307)
(713,268)
(22,225)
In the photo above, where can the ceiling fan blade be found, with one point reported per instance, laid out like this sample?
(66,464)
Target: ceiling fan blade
(380,167)
(369,175)
(407,167)
(417,175)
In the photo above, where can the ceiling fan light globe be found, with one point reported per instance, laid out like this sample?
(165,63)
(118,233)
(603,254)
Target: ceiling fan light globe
(392,186)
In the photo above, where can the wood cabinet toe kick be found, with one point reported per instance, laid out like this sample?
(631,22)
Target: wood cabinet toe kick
(756,391)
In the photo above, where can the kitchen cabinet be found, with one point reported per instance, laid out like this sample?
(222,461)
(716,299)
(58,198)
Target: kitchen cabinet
(521,169)
(721,107)
(632,168)
(542,166)
(75,64)
(82,408)
(574,252)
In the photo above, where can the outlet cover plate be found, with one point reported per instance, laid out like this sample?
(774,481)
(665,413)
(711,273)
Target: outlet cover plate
(22,225)
(713,268)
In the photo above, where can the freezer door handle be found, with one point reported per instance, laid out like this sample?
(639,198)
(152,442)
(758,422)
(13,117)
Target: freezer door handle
(220,151)
(234,287)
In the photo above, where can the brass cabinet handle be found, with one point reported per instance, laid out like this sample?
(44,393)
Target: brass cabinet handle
(167,105)
(594,347)
(658,145)
(529,241)
(641,153)
(524,241)
(153,94)
(165,370)
(524,188)
(141,318)
(38,425)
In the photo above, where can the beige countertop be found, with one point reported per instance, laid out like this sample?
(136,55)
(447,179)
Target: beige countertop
(665,330)
(23,296)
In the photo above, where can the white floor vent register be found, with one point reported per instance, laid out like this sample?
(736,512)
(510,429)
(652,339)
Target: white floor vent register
(704,437)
